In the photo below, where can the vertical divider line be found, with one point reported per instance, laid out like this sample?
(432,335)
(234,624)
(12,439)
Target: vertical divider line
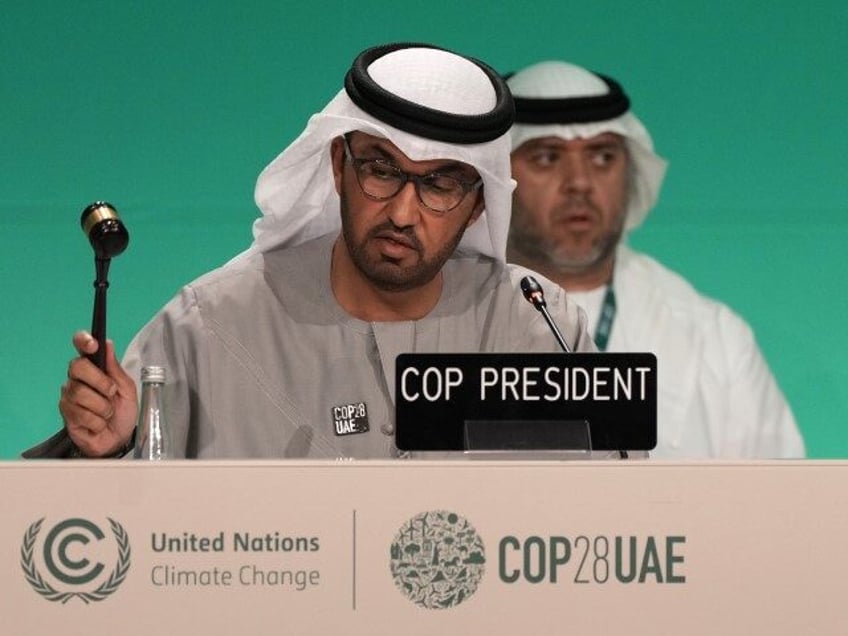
(353,591)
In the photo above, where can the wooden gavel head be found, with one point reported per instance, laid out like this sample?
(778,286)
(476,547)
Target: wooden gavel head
(104,229)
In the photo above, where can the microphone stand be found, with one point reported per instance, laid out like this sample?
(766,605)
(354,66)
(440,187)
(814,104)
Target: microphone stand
(536,296)
(557,333)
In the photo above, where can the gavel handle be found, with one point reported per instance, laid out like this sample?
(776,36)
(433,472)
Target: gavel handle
(98,319)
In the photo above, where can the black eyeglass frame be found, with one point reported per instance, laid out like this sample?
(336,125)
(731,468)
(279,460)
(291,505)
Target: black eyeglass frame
(406,177)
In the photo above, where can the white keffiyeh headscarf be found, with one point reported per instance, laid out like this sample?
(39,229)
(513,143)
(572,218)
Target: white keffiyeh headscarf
(559,80)
(296,190)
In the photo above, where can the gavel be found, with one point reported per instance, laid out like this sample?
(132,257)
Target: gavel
(108,236)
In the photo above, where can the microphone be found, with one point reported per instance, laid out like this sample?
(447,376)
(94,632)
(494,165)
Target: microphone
(534,294)
(109,238)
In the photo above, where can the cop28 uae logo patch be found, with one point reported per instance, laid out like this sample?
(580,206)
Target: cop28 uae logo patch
(71,555)
(437,559)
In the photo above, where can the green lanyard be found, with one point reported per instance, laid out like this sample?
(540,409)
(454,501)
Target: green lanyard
(602,331)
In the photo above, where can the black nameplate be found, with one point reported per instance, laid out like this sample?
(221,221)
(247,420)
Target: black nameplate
(439,395)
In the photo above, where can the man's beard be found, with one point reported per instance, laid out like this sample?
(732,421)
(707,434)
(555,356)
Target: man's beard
(544,251)
(382,272)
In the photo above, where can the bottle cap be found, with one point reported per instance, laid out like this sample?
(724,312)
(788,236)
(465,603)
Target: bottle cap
(153,374)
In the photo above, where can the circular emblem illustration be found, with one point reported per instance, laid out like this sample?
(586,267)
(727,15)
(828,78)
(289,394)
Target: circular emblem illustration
(64,554)
(437,559)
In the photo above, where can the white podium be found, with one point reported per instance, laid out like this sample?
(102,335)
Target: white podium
(421,547)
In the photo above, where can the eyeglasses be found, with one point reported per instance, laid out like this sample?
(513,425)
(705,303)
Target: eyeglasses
(380,180)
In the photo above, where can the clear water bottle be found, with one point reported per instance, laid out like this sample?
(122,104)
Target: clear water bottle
(152,437)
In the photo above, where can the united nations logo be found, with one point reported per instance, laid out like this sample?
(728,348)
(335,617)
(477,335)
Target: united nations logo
(437,559)
(66,554)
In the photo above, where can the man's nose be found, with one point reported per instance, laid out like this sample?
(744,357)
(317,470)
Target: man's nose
(404,209)
(575,175)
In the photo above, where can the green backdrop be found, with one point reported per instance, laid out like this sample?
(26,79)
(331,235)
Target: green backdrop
(170,109)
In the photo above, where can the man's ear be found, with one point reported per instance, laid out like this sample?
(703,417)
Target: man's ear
(337,157)
(479,204)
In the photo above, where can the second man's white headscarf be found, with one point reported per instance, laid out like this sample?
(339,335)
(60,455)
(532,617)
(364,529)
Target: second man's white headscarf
(559,81)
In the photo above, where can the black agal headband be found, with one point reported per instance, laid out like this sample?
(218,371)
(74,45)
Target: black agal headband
(573,110)
(421,120)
